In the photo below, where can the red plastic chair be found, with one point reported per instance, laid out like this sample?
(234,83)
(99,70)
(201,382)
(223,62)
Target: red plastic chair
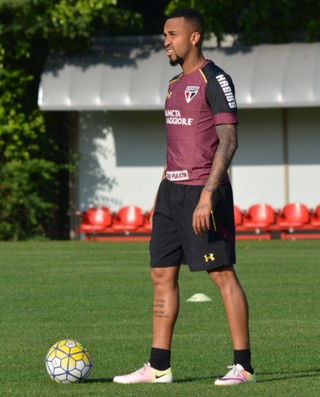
(238,217)
(295,223)
(315,218)
(259,217)
(99,216)
(258,222)
(129,218)
(238,223)
(293,216)
(95,220)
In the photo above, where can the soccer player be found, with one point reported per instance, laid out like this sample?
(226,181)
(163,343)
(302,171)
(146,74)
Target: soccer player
(193,221)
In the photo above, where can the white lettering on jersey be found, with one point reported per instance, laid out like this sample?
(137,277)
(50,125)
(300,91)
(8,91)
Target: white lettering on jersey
(190,92)
(172,113)
(224,84)
(173,117)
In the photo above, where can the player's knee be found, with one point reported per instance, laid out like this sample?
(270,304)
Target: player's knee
(163,278)
(223,277)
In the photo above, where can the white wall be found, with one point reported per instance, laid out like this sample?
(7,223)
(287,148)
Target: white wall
(304,155)
(258,173)
(123,154)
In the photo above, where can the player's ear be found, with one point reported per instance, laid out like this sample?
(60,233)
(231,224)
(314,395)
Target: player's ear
(195,38)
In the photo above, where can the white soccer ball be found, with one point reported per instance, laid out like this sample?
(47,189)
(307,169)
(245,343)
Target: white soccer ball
(68,361)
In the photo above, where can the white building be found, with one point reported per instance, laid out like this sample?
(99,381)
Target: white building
(117,91)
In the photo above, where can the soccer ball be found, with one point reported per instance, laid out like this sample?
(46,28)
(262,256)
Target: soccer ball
(68,361)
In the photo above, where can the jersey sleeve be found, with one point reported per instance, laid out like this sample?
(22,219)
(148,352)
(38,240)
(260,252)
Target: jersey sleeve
(220,96)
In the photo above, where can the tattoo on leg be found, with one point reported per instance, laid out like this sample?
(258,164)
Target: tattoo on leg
(158,308)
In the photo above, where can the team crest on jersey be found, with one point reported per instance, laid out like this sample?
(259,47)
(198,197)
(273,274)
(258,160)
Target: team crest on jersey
(190,92)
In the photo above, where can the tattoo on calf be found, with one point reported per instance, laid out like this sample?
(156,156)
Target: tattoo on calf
(159,308)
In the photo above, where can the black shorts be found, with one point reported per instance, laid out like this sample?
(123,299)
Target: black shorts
(173,240)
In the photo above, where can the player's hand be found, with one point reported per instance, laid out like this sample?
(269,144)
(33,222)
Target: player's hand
(201,215)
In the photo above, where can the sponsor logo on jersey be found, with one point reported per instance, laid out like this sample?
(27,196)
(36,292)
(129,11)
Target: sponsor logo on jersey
(174,117)
(225,86)
(190,92)
(177,175)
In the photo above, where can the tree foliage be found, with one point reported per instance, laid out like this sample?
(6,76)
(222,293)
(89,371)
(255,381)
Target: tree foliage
(31,160)
(258,21)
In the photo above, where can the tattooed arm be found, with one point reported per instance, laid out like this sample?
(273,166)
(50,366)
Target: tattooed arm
(227,134)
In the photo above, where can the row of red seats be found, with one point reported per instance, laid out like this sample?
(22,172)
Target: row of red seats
(96,221)
(294,220)
(260,221)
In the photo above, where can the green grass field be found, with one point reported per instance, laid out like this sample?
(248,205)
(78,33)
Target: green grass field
(100,294)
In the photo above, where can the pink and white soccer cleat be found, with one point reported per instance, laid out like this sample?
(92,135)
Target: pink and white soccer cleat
(236,376)
(146,374)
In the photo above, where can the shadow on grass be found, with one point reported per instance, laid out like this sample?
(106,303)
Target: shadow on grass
(273,377)
(110,380)
(278,376)
(270,376)
(195,379)
(99,380)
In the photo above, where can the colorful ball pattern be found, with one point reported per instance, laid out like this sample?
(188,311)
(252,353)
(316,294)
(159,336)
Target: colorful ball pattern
(68,361)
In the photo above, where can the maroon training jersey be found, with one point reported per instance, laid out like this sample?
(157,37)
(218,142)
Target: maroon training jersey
(195,104)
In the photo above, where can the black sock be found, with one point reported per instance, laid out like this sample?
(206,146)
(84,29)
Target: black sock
(160,359)
(243,357)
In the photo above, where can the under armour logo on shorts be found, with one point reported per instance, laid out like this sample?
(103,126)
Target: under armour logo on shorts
(209,257)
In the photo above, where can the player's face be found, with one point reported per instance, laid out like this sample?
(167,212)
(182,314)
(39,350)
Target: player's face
(177,40)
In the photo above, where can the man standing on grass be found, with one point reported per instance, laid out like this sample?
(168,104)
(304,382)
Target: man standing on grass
(193,220)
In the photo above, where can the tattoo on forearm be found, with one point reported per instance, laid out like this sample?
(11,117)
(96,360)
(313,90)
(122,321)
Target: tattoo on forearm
(227,146)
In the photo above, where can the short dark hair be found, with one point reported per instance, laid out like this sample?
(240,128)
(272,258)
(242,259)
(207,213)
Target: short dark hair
(191,15)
